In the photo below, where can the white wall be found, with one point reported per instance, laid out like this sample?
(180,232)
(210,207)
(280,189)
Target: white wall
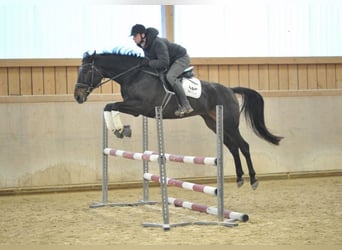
(61,143)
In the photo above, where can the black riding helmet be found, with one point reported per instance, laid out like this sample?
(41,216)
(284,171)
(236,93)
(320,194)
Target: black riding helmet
(138,29)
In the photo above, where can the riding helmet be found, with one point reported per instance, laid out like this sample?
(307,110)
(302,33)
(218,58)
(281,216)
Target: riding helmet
(138,29)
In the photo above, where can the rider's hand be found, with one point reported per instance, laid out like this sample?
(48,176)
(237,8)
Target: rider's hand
(145,62)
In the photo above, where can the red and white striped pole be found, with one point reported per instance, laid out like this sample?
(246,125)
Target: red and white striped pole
(183,184)
(151,156)
(208,210)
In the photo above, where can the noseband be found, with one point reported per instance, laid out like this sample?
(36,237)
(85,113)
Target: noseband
(92,85)
(94,69)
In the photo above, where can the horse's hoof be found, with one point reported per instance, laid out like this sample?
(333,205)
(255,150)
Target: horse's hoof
(118,133)
(127,131)
(255,184)
(239,182)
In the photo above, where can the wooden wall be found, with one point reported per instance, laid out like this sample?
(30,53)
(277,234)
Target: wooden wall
(54,77)
(274,74)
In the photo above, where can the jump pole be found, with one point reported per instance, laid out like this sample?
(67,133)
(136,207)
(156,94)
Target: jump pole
(154,157)
(145,200)
(227,214)
(183,184)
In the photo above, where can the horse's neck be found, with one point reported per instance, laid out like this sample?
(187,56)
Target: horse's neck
(115,66)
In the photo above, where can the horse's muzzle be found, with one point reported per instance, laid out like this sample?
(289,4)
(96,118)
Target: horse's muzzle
(80,99)
(80,94)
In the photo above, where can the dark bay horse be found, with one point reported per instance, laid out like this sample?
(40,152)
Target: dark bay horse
(142,91)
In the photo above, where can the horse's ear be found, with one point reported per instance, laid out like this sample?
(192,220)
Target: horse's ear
(93,55)
(85,54)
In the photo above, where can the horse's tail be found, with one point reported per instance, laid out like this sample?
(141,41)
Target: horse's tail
(253,108)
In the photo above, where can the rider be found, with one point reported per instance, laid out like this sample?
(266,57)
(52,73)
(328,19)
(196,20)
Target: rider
(164,56)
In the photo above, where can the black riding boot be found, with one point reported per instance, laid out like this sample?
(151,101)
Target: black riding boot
(185,107)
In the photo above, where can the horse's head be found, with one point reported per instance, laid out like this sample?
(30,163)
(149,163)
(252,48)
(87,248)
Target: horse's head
(116,65)
(89,78)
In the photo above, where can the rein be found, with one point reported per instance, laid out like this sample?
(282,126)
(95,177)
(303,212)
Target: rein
(116,76)
(94,68)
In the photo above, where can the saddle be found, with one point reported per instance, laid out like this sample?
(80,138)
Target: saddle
(191,85)
(188,73)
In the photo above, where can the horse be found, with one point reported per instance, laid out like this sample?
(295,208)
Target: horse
(142,90)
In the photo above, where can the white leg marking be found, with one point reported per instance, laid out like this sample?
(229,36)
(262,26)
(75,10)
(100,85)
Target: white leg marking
(117,121)
(109,120)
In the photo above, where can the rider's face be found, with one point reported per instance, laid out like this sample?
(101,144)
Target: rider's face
(138,38)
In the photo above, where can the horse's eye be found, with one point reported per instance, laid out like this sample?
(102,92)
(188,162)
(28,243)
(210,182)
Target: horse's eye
(85,71)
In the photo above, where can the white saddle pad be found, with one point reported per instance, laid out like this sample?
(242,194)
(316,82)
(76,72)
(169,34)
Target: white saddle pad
(192,87)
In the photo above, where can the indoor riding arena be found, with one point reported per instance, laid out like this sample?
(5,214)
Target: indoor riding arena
(58,187)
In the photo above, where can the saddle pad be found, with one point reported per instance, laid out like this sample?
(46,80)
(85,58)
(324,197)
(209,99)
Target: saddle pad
(192,87)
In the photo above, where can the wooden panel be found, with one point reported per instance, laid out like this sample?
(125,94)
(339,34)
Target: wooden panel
(3,82)
(169,21)
(312,76)
(26,81)
(254,76)
(98,90)
(283,77)
(302,76)
(331,76)
(224,75)
(195,70)
(37,81)
(263,77)
(116,88)
(203,73)
(293,76)
(13,81)
(243,76)
(273,72)
(317,74)
(339,76)
(49,81)
(265,60)
(321,76)
(234,75)
(61,80)
(54,62)
(72,73)
(107,88)
(213,73)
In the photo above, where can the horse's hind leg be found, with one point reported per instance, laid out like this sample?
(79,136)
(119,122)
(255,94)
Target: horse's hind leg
(234,150)
(234,141)
(244,148)
(231,145)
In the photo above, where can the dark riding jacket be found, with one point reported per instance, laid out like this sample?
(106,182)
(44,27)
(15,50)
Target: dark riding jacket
(160,51)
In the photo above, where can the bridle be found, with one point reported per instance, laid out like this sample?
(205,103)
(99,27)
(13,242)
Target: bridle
(94,69)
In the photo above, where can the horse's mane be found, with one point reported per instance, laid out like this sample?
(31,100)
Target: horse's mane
(119,50)
(124,51)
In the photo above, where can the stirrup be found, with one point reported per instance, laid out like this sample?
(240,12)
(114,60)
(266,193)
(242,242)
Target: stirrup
(181,111)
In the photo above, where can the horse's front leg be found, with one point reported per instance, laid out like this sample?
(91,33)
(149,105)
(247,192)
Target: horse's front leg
(114,123)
